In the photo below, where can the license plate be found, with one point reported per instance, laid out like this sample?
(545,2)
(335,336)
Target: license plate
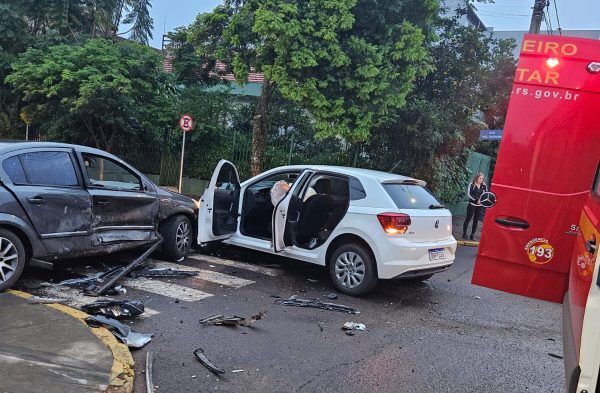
(436,254)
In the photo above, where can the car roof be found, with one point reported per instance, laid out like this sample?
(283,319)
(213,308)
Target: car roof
(7,146)
(382,177)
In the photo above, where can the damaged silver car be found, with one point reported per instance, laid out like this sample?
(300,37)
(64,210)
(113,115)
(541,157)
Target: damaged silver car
(60,201)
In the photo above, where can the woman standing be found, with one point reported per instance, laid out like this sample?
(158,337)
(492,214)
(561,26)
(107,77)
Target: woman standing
(474,209)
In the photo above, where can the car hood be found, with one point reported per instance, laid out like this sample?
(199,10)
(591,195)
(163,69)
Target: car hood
(177,198)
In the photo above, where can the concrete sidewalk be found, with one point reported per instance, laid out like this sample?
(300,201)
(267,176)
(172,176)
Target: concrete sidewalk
(48,348)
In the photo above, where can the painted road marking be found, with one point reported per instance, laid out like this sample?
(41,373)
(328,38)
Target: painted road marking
(76,299)
(207,275)
(240,265)
(167,289)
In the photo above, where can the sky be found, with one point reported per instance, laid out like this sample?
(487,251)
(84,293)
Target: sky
(502,15)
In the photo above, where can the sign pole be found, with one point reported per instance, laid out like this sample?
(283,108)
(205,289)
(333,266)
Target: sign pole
(186,124)
(181,165)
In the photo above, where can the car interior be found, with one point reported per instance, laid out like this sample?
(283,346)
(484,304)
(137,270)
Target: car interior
(257,208)
(317,212)
(323,205)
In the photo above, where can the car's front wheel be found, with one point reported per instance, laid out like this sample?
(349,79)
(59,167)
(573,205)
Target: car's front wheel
(12,259)
(352,269)
(177,232)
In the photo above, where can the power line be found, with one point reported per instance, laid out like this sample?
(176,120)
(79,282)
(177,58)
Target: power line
(557,20)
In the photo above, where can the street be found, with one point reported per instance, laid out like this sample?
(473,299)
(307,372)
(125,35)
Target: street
(442,335)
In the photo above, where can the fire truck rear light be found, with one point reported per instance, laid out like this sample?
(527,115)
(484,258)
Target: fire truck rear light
(394,223)
(594,67)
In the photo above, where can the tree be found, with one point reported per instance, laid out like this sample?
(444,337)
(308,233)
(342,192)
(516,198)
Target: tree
(432,136)
(95,92)
(347,62)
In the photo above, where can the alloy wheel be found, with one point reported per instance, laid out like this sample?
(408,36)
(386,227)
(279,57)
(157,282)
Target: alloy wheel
(350,269)
(183,237)
(9,259)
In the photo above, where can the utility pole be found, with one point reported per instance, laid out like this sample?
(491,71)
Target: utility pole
(537,16)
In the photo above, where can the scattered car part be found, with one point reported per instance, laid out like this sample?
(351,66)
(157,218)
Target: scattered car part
(120,331)
(332,296)
(149,383)
(237,371)
(349,333)
(232,321)
(162,272)
(294,301)
(199,353)
(45,300)
(354,326)
(114,308)
(111,280)
(84,281)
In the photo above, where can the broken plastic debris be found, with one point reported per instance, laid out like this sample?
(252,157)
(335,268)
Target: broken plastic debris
(294,301)
(199,353)
(120,289)
(353,326)
(121,331)
(232,321)
(45,300)
(332,296)
(237,371)
(116,309)
(311,280)
(162,273)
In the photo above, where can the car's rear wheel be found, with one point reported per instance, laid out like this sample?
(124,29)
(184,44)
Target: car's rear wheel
(352,269)
(12,259)
(177,232)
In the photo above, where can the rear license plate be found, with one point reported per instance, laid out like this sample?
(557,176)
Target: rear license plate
(436,254)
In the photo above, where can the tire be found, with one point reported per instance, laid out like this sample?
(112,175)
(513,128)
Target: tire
(419,278)
(177,232)
(11,268)
(357,259)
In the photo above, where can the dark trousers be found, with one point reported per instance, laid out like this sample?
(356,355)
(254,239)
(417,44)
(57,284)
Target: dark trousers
(473,212)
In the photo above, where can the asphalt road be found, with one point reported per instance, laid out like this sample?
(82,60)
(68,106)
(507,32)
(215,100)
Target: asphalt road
(444,335)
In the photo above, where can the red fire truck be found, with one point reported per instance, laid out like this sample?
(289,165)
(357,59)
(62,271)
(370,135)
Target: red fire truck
(541,238)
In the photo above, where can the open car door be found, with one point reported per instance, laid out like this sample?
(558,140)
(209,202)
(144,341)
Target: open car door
(545,166)
(280,213)
(219,205)
(311,210)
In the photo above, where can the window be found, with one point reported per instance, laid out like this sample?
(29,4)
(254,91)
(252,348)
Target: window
(12,166)
(268,182)
(357,191)
(44,168)
(227,179)
(106,173)
(410,196)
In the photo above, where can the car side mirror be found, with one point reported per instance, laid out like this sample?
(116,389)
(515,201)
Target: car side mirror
(488,199)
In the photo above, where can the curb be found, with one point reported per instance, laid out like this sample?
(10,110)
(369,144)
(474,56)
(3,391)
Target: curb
(122,372)
(467,243)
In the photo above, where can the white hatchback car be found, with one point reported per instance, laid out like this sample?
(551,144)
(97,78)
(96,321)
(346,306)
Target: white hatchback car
(363,225)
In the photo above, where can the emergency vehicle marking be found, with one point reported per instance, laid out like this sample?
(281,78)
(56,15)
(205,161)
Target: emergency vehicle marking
(539,250)
(544,48)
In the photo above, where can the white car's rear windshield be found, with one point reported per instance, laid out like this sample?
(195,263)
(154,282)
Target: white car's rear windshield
(411,196)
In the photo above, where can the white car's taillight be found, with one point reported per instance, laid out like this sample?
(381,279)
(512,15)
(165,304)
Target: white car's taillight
(394,223)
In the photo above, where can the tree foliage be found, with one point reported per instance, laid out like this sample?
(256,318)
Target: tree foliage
(97,91)
(347,62)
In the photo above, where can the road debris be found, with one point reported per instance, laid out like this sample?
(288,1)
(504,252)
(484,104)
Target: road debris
(349,333)
(555,355)
(149,364)
(120,331)
(332,296)
(114,308)
(320,325)
(232,321)
(311,280)
(120,289)
(101,286)
(162,272)
(237,371)
(85,281)
(294,301)
(46,300)
(354,326)
(199,353)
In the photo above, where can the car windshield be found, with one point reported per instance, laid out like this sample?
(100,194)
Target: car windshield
(411,196)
